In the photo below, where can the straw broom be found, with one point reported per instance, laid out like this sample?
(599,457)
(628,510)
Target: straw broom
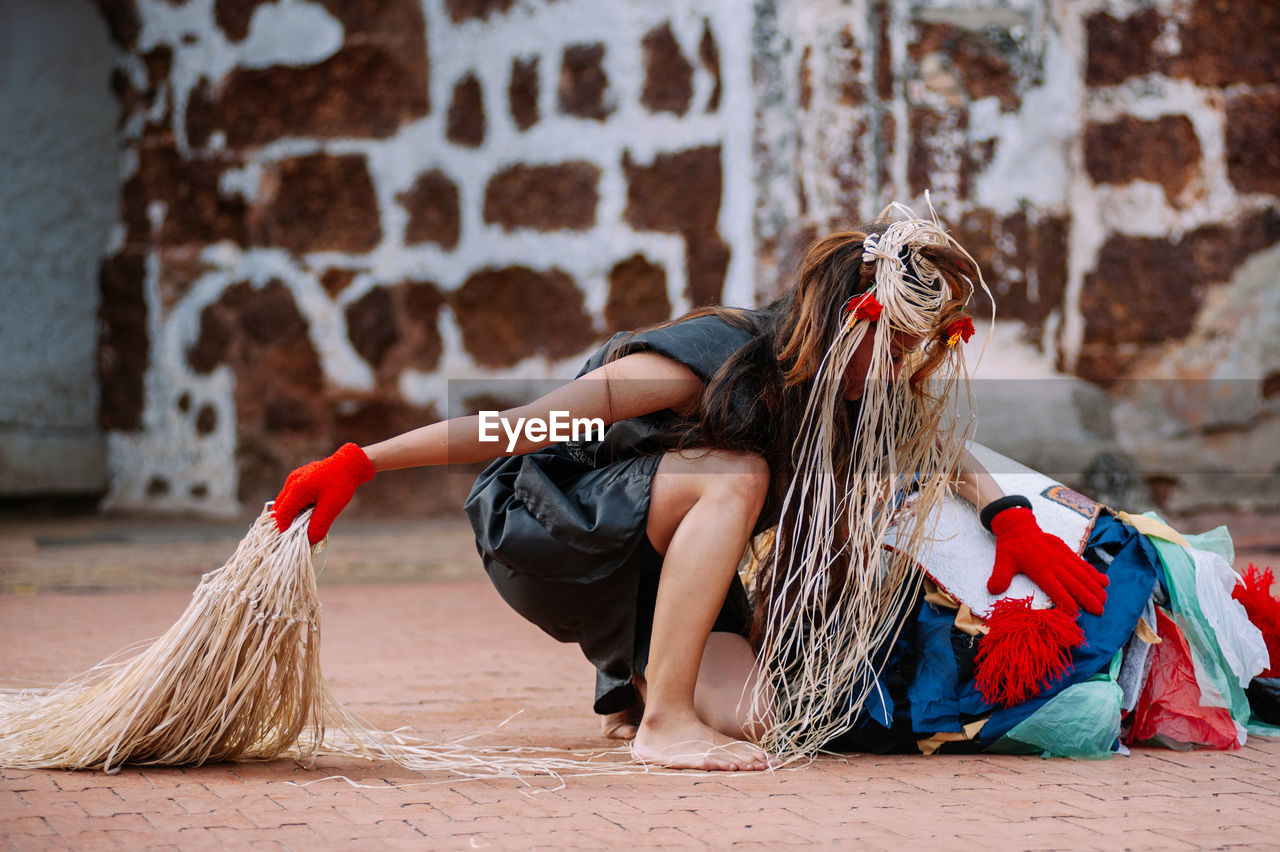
(236,678)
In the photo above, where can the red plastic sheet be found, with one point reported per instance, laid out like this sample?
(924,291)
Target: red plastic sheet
(1169,710)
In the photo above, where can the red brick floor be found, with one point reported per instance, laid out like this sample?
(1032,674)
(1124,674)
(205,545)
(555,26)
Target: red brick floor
(447,659)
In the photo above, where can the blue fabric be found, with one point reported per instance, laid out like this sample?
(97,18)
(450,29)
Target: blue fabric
(1132,575)
(932,692)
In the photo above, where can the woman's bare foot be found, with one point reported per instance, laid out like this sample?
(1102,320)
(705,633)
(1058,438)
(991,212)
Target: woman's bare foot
(687,743)
(623,724)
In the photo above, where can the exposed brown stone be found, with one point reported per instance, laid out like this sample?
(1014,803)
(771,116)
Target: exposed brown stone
(922,122)
(281,412)
(434,215)
(268,316)
(884,51)
(199,490)
(179,268)
(195,209)
(206,419)
(930,147)
(1224,42)
(123,342)
(122,21)
(1141,290)
(668,76)
(466,113)
(359,91)
(466,10)
(289,413)
(233,17)
(522,92)
(369,88)
(390,21)
(544,198)
(184,402)
(1146,290)
(806,77)
(678,192)
(852,91)
(335,280)
(1024,260)
(512,313)
(977,58)
(1215,251)
(1257,232)
(125,93)
(1120,49)
(707,262)
(157,486)
(709,53)
(244,323)
(210,348)
(419,305)
(200,118)
(886,144)
(319,203)
(1253,142)
(371,325)
(158,62)
(583,84)
(637,295)
(1164,151)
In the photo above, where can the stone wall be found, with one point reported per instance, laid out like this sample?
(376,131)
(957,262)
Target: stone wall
(332,208)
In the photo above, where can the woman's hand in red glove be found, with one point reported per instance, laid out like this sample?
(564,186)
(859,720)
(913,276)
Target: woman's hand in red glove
(1023,548)
(328,485)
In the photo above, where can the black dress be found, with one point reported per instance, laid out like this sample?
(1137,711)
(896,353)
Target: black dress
(561,530)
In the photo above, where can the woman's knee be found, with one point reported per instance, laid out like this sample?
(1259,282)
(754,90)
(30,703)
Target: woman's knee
(686,477)
(736,480)
(740,476)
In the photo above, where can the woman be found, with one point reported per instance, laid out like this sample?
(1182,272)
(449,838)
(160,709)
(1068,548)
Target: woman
(812,417)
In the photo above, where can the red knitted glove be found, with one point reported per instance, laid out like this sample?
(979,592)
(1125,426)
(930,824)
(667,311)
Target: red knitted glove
(1023,548)
(326,484)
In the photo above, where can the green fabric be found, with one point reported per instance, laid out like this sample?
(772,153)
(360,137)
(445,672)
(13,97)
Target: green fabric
(1082,721)
(1184,604)
(1262,729)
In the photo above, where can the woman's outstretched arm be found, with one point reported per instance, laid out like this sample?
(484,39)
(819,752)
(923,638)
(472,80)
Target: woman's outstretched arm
(974,484)
(631,386)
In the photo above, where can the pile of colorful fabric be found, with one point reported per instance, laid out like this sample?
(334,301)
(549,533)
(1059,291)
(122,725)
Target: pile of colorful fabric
(1185,654)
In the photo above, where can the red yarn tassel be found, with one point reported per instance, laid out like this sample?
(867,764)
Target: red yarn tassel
(1264,611)
(1025,650)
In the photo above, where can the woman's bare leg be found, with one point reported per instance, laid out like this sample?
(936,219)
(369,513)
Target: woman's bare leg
(727,687)
(702,509)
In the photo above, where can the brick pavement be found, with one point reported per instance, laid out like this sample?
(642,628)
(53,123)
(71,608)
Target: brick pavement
(447,658)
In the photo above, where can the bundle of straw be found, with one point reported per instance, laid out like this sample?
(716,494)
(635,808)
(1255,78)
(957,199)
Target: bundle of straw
(237,677)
